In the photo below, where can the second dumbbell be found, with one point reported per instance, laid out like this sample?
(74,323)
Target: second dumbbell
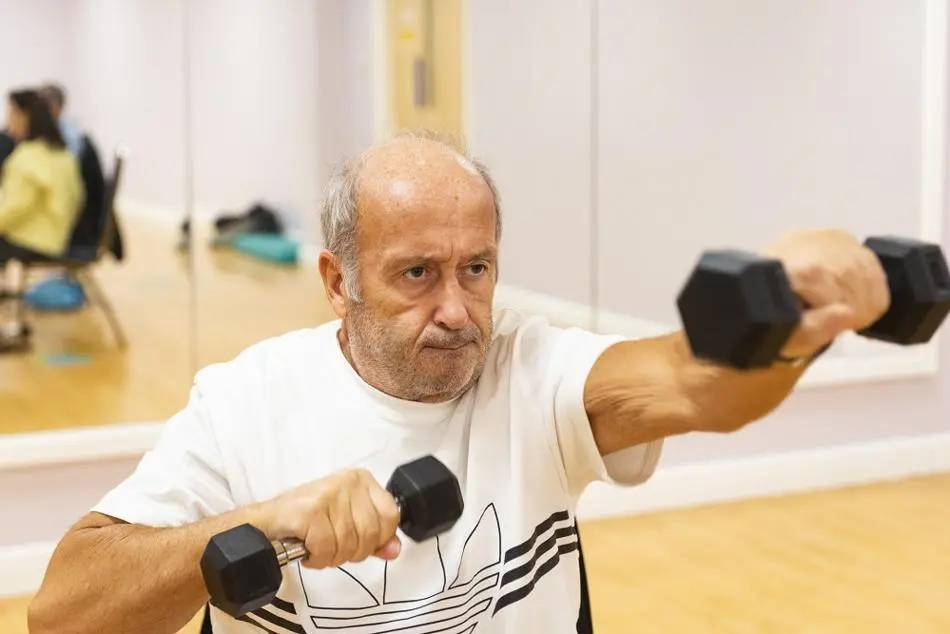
(739,310)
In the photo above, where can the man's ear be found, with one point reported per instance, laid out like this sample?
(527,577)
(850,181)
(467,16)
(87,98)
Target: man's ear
(333,282)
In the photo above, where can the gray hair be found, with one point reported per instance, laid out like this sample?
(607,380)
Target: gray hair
(339,213)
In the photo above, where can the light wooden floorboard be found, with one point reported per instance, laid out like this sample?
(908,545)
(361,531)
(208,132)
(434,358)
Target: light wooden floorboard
(869,560)
(866,560)
(175,322)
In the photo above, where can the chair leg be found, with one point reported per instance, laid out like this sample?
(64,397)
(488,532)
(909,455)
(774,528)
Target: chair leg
(16,290)
(15,334)
(12,279)
(89,282)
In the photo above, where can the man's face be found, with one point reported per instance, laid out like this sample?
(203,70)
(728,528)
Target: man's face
(428,266)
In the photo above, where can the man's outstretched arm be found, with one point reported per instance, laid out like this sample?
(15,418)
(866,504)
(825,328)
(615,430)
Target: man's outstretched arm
(644,390)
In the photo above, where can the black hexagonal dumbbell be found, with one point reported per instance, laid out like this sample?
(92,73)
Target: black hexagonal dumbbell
(738,309)
(242,567)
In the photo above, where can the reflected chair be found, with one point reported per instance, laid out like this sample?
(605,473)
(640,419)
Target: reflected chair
(94,237)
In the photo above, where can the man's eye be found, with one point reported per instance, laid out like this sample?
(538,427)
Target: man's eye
(477,269)
(416,272)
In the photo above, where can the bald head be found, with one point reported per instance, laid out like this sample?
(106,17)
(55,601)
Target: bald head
(390,181)
(409,184)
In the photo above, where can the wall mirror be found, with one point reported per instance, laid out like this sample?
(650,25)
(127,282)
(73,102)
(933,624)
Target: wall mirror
(110,316)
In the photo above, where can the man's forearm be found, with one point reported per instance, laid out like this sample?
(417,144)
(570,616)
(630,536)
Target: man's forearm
(725,399)
(647,389)
(127,578)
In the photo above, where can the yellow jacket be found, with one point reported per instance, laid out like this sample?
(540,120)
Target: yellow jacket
(41,196)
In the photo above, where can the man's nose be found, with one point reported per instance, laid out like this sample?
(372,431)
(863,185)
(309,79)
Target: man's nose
(452,312)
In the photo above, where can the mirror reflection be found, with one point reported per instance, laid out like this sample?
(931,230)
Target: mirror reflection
(198,137)
(95,305)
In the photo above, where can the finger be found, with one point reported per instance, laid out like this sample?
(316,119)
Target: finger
(387,512)
(390,550)
(819,327)
(367,524)
(320,542)
(857,279)
(815,285)
(341,517)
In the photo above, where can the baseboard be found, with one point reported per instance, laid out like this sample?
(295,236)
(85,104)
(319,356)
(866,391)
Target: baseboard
(77,445)
(677,487)
(22,568)
(771,475)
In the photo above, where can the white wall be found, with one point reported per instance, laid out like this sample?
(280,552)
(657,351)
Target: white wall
(254,87)
(345,86)
(45,501)
(36,43)
(128,90)
(529,118)
(726,123)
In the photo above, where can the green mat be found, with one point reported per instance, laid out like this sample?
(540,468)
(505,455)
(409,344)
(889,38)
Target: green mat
(267,246)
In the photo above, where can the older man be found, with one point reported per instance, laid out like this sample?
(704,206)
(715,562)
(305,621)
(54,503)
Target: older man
(296,434)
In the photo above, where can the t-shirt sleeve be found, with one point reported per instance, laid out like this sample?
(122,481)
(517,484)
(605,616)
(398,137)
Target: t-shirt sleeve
(564,359)
(181,480)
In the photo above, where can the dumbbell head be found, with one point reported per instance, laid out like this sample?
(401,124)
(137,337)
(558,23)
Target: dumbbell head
(738,309)
(241,570)
(429,495)
(919,283)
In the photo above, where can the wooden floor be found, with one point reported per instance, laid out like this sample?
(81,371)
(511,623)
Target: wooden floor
(869,560)
(176,321)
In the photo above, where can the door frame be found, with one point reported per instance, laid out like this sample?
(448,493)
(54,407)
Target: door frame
(382,120)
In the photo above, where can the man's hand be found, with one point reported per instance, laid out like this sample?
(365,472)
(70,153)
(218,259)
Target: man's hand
(840,282)
(344,517)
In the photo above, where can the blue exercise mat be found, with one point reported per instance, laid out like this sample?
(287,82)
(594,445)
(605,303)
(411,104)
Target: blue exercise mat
(267,246)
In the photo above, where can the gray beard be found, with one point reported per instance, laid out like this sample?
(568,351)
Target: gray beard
(387,363)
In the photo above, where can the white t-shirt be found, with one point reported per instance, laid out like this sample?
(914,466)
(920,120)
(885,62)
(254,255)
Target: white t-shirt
(291,409)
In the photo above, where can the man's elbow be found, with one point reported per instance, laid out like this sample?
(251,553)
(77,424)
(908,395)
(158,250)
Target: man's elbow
(39,617)
(44,614)
(59,606)
(57,609)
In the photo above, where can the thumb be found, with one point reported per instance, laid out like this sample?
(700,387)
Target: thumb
(390,550)
(818,327)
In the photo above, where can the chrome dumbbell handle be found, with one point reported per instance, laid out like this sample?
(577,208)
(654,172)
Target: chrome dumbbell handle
(289,550)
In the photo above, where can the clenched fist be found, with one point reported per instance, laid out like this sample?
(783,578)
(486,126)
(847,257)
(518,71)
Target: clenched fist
(840,281)
(345,517)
